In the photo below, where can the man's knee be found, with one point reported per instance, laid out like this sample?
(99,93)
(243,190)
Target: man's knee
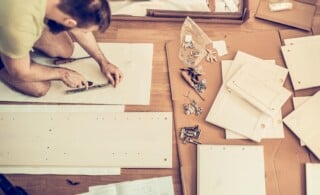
(39,90)
(60,52)
(55,45)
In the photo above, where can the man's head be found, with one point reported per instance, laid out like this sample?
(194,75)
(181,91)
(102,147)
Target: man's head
(84,14)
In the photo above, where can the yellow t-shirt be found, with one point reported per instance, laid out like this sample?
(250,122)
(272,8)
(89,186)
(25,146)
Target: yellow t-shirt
(21,25)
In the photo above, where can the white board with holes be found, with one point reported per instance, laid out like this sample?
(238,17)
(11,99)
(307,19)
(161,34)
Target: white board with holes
(89,139)
(313,178)
(230,169)
(303,61)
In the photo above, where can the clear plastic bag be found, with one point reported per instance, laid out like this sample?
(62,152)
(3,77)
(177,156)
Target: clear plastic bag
(191,56)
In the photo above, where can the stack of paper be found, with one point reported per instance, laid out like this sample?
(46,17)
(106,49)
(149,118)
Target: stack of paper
(304,122)
(153,186)
(230,169)
(250,99)
(303,61)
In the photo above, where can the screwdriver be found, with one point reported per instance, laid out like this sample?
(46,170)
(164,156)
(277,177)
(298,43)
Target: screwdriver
(68,60)
(91,86)
(188,80)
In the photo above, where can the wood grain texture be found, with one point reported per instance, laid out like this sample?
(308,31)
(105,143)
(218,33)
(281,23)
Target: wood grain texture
(157,33)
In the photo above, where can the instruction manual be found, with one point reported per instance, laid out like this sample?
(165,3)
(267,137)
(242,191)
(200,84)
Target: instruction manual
(153,186)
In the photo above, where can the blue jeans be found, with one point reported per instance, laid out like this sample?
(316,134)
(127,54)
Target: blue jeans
(1,65)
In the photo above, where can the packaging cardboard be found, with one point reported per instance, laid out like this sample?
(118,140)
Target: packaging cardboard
(284,158)
(300,16)
(217,18)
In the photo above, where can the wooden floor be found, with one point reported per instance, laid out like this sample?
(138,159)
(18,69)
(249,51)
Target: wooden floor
(157,33)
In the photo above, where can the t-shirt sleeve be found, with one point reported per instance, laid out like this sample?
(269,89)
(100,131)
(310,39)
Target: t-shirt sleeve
(16,43)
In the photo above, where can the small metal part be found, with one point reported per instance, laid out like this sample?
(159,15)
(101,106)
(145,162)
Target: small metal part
(211,56)
(193,132)
(192,108)
(190,62)
(188,45)
(72,183)
(190,83)
(190,140)
(201,86)
(194,52)
(189,134)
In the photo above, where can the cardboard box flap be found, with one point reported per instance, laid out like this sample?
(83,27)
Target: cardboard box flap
(300,16)
(279,154)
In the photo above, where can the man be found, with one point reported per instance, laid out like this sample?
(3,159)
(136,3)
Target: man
(45,25)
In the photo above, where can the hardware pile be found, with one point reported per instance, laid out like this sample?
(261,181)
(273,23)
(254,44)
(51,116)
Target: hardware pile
(189,134)
(199,85)
(192,108)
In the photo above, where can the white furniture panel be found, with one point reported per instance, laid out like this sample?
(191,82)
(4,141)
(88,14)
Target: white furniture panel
(86,139)
(134,60)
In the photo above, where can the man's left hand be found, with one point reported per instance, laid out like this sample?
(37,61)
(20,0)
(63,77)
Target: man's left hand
(112,73)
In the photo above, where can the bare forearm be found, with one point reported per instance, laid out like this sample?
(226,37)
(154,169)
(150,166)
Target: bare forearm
(24,70)
(38,72)
(89,44)
(21,69)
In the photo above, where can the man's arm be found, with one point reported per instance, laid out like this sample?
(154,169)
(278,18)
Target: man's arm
(88,43)
(22,69)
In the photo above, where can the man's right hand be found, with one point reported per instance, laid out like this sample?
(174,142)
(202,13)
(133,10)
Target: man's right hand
(73,79)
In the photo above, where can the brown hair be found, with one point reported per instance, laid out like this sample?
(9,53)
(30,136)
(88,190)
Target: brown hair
(88,12)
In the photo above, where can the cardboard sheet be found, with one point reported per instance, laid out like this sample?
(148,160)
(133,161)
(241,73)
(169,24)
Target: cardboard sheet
(133,89)
(302,59)
(279,154)
(230,169)
(304,122)
(313,178)
(86,139)
(300,16)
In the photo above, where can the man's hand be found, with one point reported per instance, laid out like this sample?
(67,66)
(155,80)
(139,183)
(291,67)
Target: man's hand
(112,73)
(89,44)
(73,79)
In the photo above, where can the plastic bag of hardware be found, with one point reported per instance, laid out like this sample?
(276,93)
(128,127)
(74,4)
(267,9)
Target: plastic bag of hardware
(193,43)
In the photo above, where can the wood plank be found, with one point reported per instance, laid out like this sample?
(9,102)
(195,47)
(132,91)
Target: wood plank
(111,139)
